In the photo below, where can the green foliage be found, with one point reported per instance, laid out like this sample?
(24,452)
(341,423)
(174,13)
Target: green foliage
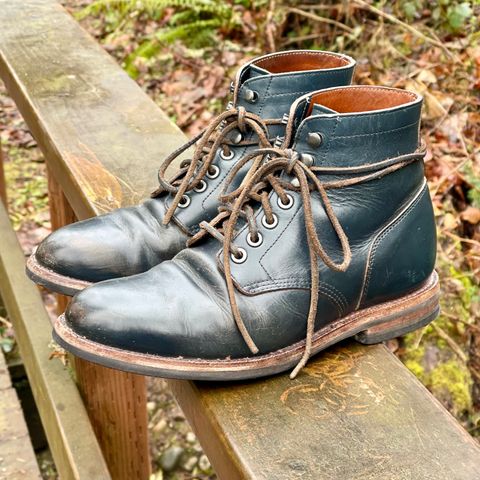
(28,201)
(474,181)
(450,15)
(194,22)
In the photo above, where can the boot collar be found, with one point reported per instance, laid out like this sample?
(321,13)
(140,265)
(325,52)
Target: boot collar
(268,85)
(356,125)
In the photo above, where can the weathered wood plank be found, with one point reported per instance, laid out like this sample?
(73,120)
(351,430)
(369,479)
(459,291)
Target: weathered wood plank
(70,436)
(115,401)
(73,106)
(17,458)
(355,412)
(93,123)
(3,186)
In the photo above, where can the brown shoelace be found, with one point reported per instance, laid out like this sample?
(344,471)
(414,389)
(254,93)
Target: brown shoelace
(215,136)
(257,186)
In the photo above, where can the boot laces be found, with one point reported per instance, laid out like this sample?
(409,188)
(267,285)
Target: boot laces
(266,175)
(215,136)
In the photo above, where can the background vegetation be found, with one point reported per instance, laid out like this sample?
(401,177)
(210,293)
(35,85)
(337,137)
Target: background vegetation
(184,54)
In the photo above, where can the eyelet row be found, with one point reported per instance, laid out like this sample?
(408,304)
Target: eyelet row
(243,257)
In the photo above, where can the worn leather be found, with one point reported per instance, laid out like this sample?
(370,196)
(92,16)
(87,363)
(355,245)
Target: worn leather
(132,240)
(181,307)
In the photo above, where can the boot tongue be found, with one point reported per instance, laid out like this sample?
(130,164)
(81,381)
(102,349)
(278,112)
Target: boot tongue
(319,109)
(251,71)
(302,109)
(254,71)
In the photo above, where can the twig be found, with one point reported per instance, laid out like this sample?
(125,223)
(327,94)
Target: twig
(451,343)
(270,29)
(406,26)
(318,18)
(460,239)
(303,38)
(445,177)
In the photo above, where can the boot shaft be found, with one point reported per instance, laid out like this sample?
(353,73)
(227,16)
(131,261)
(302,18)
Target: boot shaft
(267,86)
(346,134)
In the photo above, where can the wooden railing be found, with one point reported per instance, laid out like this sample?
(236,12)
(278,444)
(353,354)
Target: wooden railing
(355,412)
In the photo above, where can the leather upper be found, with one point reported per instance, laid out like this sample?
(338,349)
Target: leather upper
(181,307)
(132,240)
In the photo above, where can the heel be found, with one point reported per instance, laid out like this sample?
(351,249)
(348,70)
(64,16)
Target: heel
(394,328)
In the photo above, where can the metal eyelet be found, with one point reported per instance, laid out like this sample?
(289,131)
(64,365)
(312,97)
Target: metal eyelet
(251,96)
(236,138)
(216,172)
(315,139)
(270,225)
(307,159)
(184,201)
(201,187)
(227,157)
(285,206)
(253,243)
(241,258)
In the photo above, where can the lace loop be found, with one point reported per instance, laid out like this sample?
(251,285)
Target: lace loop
(257,186)
(215,136)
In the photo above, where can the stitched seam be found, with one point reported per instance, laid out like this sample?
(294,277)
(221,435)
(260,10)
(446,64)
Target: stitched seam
(379,239)
(332,136)
(304,52)
(289,93)
(376,89)
(382,132)
(302,73)
(277,239)
(281,283)
(373,113)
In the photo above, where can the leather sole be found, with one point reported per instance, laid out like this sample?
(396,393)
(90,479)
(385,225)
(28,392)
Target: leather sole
(52,280)
(369,325)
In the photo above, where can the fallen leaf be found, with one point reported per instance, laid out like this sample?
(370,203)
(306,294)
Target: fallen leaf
(471,215)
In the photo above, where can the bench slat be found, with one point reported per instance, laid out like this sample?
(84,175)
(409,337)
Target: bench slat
(17,458)
(64,418)
(355,412)
(103,137)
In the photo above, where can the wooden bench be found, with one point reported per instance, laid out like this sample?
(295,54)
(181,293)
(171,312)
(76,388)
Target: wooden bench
(17,458)
(354,413)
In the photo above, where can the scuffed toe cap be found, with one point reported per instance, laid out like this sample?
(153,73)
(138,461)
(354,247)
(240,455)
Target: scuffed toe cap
(149,313)
(79,251)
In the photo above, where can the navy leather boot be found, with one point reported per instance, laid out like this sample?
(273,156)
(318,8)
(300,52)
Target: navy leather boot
(331,235)
(132,240)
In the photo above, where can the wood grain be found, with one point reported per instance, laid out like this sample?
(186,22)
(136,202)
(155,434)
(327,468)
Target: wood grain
(354,412)
(115,401)
(17,458)
(70,435)
(3,186)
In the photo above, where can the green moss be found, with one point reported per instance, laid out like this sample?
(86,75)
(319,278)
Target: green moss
(26,187)
(413,357)
(451,382)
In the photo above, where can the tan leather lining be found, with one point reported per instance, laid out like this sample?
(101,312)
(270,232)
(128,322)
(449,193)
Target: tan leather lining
(362,99)
(300,61)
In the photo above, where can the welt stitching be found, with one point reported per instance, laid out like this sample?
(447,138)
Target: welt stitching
(397,222)
(382,132)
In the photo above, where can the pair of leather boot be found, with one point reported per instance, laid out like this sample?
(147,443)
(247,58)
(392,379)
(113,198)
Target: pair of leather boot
(307,219)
